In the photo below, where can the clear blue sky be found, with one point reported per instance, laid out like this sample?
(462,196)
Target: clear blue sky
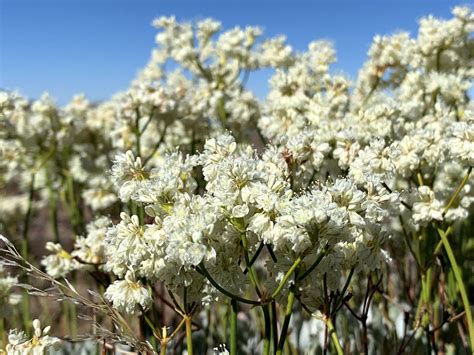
(96,46)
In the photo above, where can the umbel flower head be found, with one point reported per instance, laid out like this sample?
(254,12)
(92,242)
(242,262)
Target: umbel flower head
(60,262)
(128,295)
(19,344)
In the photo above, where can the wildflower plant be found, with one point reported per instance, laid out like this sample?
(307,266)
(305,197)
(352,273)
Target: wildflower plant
(335,214)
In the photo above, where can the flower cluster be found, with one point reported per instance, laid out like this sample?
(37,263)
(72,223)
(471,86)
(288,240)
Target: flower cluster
(19,344)
(246,197)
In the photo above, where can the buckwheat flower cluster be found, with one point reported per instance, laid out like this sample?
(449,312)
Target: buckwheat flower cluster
(304,95)
(128,174)
(340,219)
(125,245)
(251,197)
(193,222)
(166,195)
(128,295)
(433,66)
(131,247)
(388,54)
(100,193)
(375,160)
(60,262)
(39,344)
(166,182)
(216,60)
(428,208)
(90,249)
(461,141)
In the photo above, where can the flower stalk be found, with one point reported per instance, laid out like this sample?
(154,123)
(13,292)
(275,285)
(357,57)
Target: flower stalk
(286,321)
(460,284)
(189,334)
(233,327)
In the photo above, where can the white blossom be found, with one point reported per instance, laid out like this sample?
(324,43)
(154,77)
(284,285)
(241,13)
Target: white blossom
(128,295)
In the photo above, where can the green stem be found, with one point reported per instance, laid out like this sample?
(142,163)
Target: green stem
(268,330)
(66,317)
(137,132)
(221,112)
(152,328)
(460,284)
(164,338)
(224,328)
(147,123)
(419,178)
(157,145)
(288,274)
(233,327)
(271,252)
(447,232)
(424,300)
(154,311)
(73,312)
(208,329)
(189,335)
(408,243)
(274,319)
(315,264)
(371,92)
(54,219)
(254,281)
(252,276)
(348,281)
(76,213)
(286,322)
(53,210)
(183,321)
(73,319)
(214,283)
(340,299)
(141,214)
(458,191)
(3,336)
(334,338)
(205,73)
(255,256)
(163,346)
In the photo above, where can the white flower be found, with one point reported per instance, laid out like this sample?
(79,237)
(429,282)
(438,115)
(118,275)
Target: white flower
(167,181)
(128,295)
(190,230)
(461,142)
(125,245)
(427,208)
(127,174)
(39,344)
(100,194)
(240,211)
(91,248)
(60,263)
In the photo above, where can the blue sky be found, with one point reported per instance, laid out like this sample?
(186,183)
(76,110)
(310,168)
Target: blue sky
(96,46)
